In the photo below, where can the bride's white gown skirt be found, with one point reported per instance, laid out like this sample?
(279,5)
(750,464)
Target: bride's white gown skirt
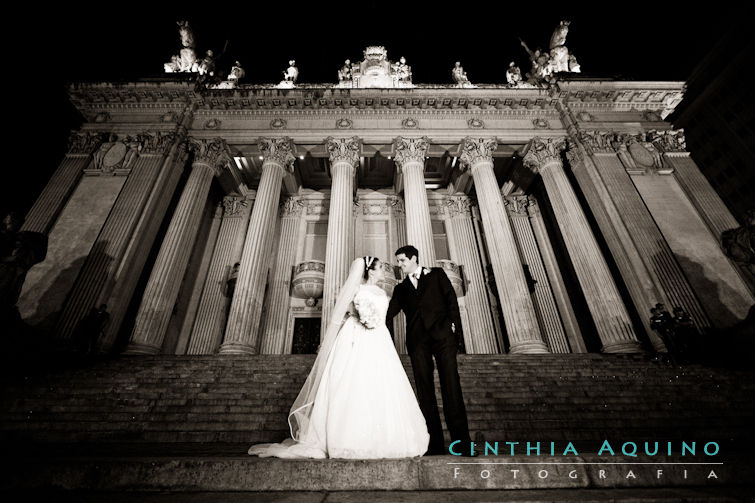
(365,406)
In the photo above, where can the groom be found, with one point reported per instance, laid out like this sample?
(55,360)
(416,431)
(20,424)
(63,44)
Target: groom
(433,328)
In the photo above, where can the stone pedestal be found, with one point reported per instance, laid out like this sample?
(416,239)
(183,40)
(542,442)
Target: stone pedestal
(516,303)
(241,334)
(603,299)
(479,334)
(209,325)
(410,156)
(344,158)
(274,332)
(164,283)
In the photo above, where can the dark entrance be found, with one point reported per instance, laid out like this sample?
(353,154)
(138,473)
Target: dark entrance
(306,335)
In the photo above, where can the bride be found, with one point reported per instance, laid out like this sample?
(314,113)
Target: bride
(357,401)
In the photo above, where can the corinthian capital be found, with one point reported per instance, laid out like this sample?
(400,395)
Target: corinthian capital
(214,153)
(278,150)
(474,150)
(410,150)
(344,149)
(543,152)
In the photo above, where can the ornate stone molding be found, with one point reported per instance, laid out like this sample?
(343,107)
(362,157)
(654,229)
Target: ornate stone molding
(213,123)
(410,123)
(235,206)
(458,206)
(344,123)
(375,207)
(212,152)
(278,123)
(668,141)
(601,142)
(574,153)
(278,150)
(517,205)
(156,142)
(83,142)
(397,205)
(114,157)
(291,207)
(542,152)
(344,149)
(475,123)
(410,150)
(475,150)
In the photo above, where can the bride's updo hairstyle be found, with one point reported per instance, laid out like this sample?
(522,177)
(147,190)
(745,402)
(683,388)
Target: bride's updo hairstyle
(370,263)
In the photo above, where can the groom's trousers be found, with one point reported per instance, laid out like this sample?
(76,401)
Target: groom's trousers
(454,410)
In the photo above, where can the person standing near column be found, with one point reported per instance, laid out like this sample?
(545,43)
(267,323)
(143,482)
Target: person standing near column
(433,328)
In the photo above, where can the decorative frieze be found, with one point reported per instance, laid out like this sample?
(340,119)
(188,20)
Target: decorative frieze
(669,140)
(156,142)
(458,206)
(517,205)
(83,142)
(291,207)
(235,206)
(114,157)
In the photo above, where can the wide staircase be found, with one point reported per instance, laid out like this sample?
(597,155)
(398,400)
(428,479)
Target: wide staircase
(181,425)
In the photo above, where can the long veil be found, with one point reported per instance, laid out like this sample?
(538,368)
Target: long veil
(301,411)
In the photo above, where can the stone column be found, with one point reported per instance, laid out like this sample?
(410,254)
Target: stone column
(476,154)
(603,298)
(545,304)
(555,279)
(274,333)
(344,158)
(410,156)
(211,314)
(670,285)
(241,333)
(143,155)
(398,214)
(50,202)
(126,277)
(165,281)
(479,335)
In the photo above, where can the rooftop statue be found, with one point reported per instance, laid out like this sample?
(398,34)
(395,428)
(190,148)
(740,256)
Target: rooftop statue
(186,60)
(547,64)
(513,75)
(289,76)
(460,76)
(237,72)
(375,71)
(344,74)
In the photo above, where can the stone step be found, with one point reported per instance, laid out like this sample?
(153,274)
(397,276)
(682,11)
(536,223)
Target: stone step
(182,471)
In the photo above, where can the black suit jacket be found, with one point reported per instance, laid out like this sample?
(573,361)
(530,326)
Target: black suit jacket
(431,308)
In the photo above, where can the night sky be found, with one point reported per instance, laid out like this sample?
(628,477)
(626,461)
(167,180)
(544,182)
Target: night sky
(48,48)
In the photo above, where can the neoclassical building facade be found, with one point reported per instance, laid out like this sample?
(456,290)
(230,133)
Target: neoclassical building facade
(223,221)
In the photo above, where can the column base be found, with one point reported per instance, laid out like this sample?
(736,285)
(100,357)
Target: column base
(528,348)
(136,348)
(622,347)
(236,348)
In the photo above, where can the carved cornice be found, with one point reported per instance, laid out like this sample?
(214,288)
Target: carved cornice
(213,152)
(668,141)
(410,150)
(517,205)
(278,150)
(475,150)
(542,152)
(235,206)
(344,149)
(291,207)
(84,142)
(458,206)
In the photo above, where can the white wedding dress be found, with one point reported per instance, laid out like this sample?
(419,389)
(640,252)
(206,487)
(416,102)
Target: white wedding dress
(365,406)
